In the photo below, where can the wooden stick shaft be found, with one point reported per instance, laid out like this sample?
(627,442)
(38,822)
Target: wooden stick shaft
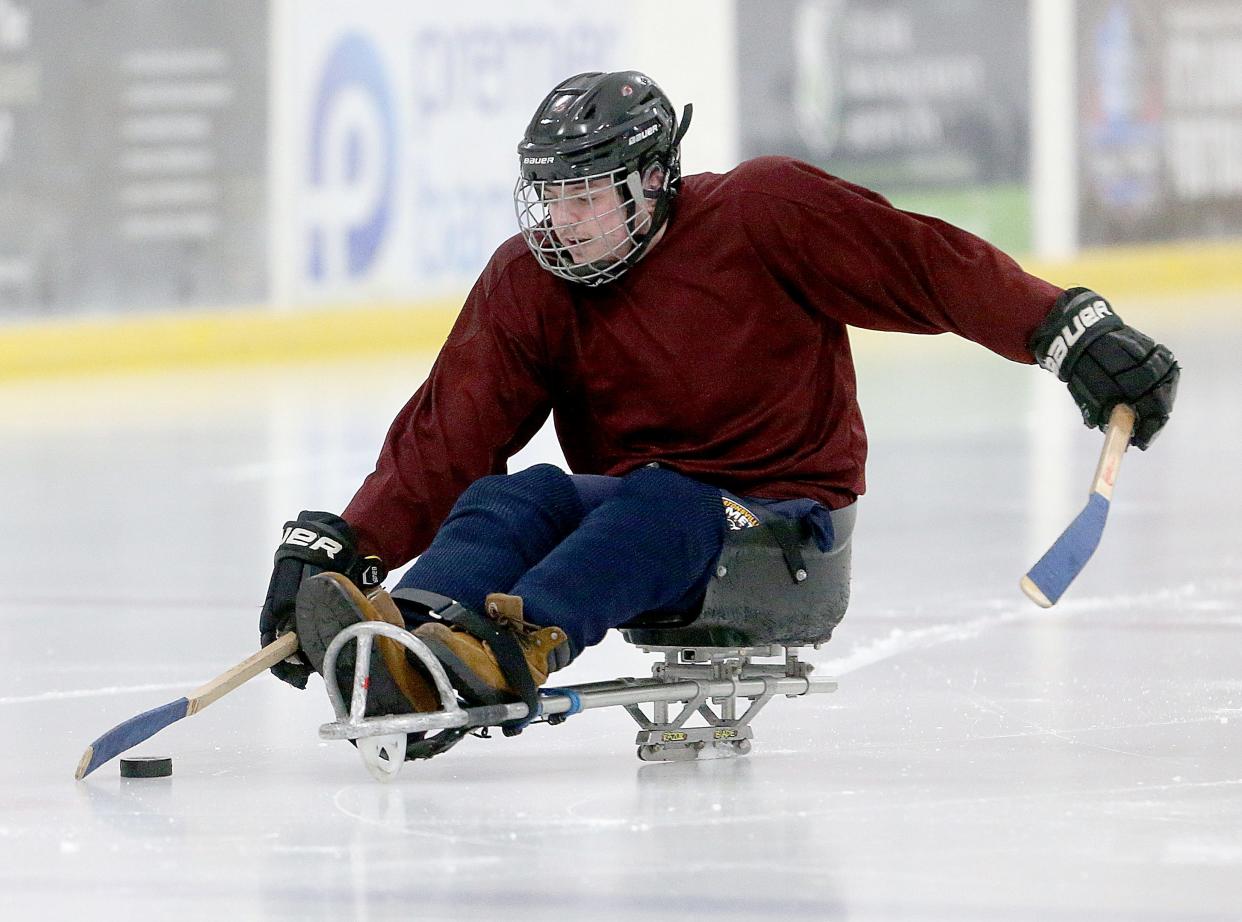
(284,647)
(1120,429)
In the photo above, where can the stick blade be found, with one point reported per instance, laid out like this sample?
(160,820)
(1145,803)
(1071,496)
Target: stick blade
(128,734)
(1047,581)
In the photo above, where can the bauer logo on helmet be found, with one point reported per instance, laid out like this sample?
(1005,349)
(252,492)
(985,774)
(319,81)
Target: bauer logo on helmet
(644,134)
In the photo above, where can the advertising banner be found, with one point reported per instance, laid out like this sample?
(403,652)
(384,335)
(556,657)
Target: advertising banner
(1160,110)
(399,155)
(926,103)
(133,154)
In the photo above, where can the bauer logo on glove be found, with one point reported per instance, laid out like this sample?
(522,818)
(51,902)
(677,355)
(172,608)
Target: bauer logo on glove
(304,537)
(1060,346)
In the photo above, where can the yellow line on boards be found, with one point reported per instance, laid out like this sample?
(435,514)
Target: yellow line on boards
(220,337)
(1119,273)
(262,334)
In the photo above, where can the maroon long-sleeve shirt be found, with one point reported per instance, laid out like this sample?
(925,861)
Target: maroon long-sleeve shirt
(722,354)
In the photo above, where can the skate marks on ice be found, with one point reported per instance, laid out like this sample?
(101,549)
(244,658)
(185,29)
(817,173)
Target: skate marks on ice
(668,806)
(901,641)
(1189,604)
(654,796)
(1147,722)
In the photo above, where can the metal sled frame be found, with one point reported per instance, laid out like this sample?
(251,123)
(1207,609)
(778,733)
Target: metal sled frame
(695,677)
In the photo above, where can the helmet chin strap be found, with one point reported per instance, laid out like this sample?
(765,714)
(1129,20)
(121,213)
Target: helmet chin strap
(661,197)
(634,183)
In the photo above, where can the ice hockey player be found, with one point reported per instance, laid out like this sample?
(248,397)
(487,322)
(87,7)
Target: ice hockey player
(688,337)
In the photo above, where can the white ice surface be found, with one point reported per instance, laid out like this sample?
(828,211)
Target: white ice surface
(983,759)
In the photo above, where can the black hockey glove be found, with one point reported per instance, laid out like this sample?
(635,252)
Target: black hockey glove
(1105,362)
(316,542)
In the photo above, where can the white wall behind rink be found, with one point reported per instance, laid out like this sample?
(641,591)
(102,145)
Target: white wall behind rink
(395,126)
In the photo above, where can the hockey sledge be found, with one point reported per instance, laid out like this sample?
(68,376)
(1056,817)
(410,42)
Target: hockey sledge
(724,686)
(772,595)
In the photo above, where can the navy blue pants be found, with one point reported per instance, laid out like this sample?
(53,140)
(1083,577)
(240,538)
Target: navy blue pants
(585,553)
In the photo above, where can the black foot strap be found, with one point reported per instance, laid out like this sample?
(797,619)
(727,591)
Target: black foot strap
(509,657)
(440,606)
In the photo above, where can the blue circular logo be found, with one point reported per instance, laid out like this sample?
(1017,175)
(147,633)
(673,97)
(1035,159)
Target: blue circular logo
(353,154)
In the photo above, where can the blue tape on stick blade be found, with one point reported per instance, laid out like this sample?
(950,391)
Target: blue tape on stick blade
(137,729)
(1069,553)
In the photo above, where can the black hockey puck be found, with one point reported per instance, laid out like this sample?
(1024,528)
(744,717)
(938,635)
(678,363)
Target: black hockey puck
(146,767)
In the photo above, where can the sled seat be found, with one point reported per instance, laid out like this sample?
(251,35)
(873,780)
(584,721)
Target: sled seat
(771,587)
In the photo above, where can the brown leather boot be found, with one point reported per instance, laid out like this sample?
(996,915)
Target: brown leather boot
(327,604)
(471,664)
(418,690)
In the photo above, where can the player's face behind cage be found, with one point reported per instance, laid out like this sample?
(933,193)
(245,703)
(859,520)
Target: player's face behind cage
(583,229)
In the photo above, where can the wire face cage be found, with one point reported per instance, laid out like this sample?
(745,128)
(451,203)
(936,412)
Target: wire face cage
(587,230)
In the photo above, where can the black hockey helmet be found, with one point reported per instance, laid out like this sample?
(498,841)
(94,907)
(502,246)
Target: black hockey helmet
(596,131)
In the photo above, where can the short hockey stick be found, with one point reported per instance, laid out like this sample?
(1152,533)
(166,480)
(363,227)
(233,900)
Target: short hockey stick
(1051,576)
(130,733)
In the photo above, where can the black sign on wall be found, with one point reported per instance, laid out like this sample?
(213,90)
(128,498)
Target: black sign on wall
(890,93)
(1160,119)
(133,152)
